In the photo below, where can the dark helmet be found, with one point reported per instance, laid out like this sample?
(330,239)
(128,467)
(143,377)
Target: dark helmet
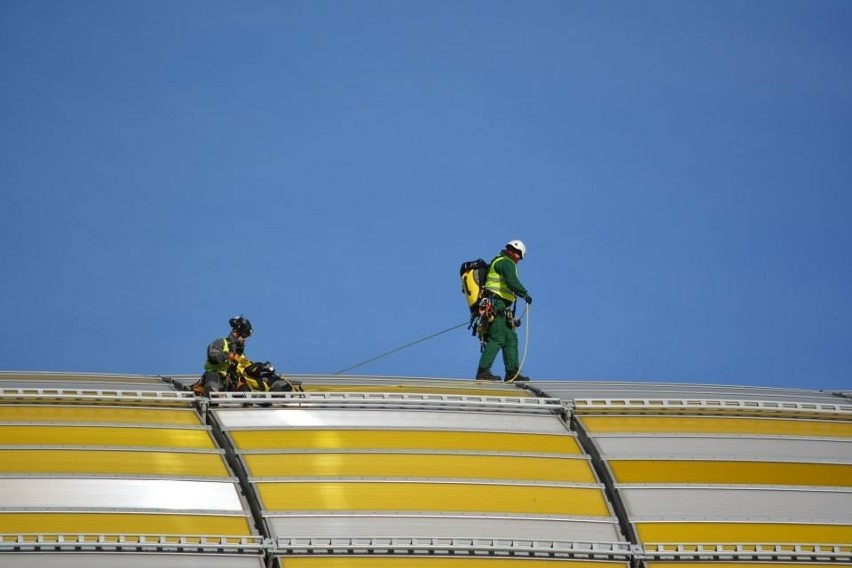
(241,326)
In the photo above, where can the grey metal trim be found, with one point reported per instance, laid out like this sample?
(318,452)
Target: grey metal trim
(389,419)
(70,448)
(80,395)
(249,495)
(406,451)
(645,389)
(135,425)
(117,476)
(694,406)
(26,376)
(747,448)
(62,493)
(456,546)
(740,504)
(428,480)
(82,447)
(389,400)
(604,474)
(86,384)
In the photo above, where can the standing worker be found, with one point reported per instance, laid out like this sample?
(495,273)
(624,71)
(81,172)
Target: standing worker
(223,355)
(502,288)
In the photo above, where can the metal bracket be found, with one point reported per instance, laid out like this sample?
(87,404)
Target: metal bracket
(41,542)
(87,396)
(454,546)
(380,400)
(745,551)
(712,406)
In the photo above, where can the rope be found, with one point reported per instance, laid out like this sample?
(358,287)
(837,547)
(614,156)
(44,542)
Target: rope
(294,387)
(402,347)
(526,344)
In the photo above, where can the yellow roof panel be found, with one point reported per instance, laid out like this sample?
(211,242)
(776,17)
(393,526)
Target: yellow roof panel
(291,439)
(731,472)
(420,496)
(183,438)
(111,414)
(420,465)
(765,533)
(113,462)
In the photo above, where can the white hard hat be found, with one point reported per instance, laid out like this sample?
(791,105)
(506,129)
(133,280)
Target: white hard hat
(518,246)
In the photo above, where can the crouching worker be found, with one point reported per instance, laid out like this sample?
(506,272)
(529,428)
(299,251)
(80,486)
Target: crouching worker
(223,356)
(228,369)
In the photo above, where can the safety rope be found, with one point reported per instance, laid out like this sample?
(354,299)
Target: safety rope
(294,386)
(402,347)
(526,343)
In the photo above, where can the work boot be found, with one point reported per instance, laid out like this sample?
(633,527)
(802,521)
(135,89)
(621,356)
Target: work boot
(483,374)
(519,379)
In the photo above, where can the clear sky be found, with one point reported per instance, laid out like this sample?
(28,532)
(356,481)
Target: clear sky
(681,173)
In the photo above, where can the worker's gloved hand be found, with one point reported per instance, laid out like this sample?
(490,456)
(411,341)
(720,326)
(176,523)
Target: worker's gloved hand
(528,300)
(233,356)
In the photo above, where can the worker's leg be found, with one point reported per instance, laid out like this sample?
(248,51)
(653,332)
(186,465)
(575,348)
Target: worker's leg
(510,349)
(496,340)
(211,381)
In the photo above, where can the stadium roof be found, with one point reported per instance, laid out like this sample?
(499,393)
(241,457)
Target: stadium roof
(406,471)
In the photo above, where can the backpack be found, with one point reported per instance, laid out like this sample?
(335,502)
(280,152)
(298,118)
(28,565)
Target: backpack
(473,274)
(262,377)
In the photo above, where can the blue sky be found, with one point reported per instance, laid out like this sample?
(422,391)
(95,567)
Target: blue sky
(679,170)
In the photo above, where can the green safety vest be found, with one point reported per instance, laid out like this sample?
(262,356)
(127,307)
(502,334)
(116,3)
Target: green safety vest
(220,367)
(495,283)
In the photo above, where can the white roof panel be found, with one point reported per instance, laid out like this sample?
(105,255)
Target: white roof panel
(284,418)
(645,503)
(103,381)
(416,526)
(145,494)
(724,447)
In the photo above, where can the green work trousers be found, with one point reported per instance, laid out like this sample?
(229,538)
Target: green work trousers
(500,336)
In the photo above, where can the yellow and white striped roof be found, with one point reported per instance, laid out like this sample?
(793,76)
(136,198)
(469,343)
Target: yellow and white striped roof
(419,472)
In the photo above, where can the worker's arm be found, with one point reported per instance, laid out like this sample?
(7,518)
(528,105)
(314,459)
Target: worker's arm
(509,272)
(216,352)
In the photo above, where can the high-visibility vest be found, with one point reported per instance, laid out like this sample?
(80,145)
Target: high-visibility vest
(495,283)
(224,365)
